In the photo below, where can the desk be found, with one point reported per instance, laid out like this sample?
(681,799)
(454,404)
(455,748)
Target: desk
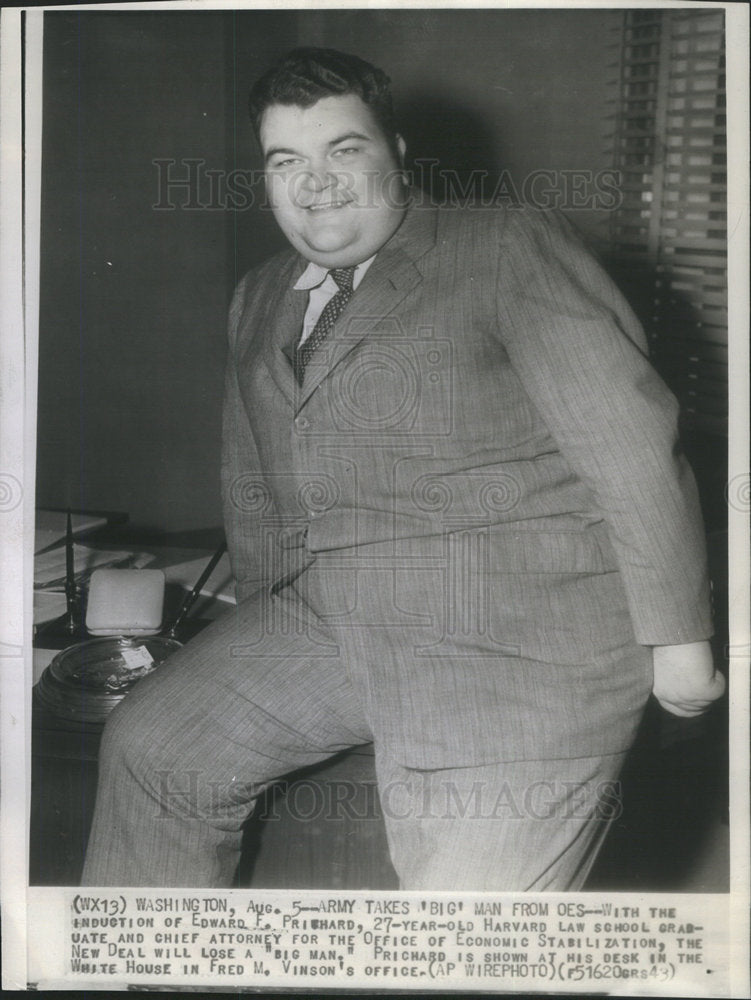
(311,837)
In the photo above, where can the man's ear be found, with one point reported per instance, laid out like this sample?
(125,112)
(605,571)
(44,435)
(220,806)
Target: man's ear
(401,148)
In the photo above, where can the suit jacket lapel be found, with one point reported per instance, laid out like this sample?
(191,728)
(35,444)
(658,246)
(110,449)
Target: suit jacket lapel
(391,276)
(283,321)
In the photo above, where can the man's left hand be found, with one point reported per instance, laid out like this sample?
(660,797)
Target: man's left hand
(685,680)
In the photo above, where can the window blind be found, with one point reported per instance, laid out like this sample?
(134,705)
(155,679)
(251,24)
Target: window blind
(671,226)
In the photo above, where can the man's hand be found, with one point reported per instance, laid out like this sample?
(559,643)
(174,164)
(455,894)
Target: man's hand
(685,680)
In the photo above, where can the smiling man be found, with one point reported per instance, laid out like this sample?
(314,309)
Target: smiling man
(458,517)
(330,178)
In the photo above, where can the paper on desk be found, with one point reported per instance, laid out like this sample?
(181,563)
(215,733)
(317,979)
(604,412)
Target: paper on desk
(220,585)
(50,526)
(49,567)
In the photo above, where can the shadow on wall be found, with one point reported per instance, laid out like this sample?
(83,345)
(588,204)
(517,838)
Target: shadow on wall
(450,144)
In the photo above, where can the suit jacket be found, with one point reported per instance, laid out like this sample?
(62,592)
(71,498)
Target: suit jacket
(485,380)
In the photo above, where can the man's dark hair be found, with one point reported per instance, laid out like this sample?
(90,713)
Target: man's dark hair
(305,75)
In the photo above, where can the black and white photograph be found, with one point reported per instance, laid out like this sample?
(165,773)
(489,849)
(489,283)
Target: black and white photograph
(375,580)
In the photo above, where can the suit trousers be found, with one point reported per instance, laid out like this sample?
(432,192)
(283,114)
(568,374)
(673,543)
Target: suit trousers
(270,688)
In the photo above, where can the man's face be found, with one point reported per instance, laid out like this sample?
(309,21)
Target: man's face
(332,178)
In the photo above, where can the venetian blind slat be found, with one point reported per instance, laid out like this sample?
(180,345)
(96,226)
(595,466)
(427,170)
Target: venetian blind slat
(669,146)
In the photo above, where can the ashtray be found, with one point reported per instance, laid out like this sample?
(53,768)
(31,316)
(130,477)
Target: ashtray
(86,681)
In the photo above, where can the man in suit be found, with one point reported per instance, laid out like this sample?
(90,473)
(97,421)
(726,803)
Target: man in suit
(459,521)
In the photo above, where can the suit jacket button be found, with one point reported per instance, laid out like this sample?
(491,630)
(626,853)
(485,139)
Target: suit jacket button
(302,423)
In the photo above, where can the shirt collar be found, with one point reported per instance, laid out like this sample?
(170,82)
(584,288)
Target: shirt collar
(314,275)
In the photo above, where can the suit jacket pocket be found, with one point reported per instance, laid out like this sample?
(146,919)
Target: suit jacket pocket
(576,618)
(558,596)
(512,549)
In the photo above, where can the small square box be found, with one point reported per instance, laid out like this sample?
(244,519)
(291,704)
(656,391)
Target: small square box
(125,602)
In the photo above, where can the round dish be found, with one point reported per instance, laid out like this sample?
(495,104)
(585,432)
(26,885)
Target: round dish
(86,681)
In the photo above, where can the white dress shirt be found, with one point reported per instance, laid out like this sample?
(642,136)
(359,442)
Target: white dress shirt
(322,287)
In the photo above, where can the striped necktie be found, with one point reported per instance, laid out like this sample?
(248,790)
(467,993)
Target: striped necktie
(343,276)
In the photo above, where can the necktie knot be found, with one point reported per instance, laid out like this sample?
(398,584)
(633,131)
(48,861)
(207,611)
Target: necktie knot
(344,277)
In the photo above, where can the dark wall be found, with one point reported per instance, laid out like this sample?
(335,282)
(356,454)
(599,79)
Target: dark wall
(134,297)
(521,91)
(495,96)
